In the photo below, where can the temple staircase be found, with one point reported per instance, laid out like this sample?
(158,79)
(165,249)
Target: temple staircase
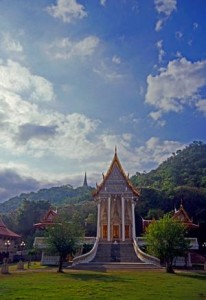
(116,252)
(115,255)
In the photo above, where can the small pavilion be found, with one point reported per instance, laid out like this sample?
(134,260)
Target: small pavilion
(180,215)
(8,242)
(47,220)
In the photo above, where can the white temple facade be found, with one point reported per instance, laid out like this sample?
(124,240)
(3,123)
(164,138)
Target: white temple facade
(116,199)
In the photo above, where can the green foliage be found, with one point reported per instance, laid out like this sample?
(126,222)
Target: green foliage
(165,240)
(22,220)
(181,178)
(63,238)
(185,167)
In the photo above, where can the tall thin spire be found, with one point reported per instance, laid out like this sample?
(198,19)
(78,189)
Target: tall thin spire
(85,184)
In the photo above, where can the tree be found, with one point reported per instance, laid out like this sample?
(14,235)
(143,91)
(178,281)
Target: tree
(64,238)
(165,240)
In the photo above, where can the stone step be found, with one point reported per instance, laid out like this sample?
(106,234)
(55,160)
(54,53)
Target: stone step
(116,252)
(102,266)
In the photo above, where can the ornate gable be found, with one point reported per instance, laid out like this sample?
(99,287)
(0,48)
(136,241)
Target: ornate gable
(115,181)
(47,220)
(182,216)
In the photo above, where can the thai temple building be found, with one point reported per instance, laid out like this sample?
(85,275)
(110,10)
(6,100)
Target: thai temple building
(116,199)
(116,236)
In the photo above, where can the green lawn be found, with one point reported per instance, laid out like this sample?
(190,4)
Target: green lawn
(47,284)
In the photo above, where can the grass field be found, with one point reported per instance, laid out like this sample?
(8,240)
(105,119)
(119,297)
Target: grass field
(42,283)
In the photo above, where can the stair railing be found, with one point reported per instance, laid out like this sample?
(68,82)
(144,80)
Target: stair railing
(144,256)
(87,257)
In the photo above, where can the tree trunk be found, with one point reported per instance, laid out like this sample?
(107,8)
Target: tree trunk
(169,268)
(60,264)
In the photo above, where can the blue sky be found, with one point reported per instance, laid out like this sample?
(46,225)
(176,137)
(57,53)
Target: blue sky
(78,77)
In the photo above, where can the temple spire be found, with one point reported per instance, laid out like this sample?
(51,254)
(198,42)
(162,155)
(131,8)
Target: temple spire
(85,184)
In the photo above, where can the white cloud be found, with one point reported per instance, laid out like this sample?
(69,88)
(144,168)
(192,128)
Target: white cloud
(66,49)
(108,73)
(129,119)
(201,106)
(161,52)
(155,115)
(10,44)
(159,25)
(164,8)
(17,79)
(155,152)
(176,86)
(67,10)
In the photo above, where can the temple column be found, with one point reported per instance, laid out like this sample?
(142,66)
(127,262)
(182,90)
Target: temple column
(123,219)
(98,220)
(133,221)
(109,220)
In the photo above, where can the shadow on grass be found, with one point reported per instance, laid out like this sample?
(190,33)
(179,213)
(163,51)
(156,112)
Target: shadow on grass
(94,277)
(198,275)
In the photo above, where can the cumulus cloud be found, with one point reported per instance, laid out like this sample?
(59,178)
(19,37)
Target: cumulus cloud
(177,85)
(66,48)
(201,106)
(67,10)
(164,8)
(27,128)
(155,151)
(17,79)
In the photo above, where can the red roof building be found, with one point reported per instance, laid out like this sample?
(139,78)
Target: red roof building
(180,215)
(47,220)
(6,233)
(8,242)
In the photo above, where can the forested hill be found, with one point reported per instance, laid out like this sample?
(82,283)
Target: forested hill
(56,196)
(186,167)
(181,178)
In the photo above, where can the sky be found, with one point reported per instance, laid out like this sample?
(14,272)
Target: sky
(79,77)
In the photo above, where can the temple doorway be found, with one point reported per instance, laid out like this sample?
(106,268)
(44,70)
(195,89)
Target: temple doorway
(104,232)
(115,231)
(127,232)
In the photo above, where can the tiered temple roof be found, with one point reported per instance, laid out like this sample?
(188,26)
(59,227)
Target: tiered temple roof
(47,220)
(7,233)
(180,215)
